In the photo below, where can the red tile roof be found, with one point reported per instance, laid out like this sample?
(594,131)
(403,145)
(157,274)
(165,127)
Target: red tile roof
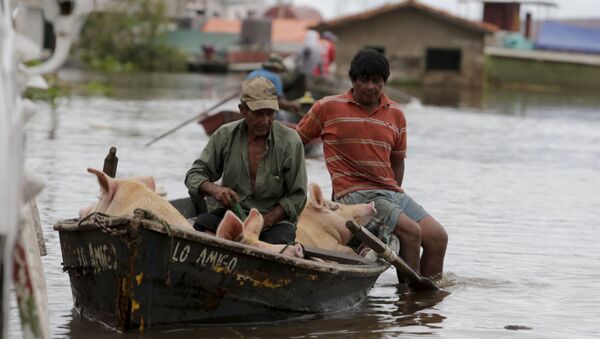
(477,26)
(219,25)
(290,30)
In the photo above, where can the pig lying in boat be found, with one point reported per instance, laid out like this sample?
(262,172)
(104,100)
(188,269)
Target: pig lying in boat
(322,224)
(247,232)
(123,196)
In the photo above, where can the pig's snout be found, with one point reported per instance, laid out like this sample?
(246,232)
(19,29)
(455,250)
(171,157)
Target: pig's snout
(295,250)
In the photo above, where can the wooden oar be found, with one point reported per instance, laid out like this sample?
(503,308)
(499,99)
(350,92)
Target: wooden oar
(195,118)
(415,281)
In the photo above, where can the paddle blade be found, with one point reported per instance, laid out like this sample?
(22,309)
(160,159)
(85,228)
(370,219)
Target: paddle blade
(415,280)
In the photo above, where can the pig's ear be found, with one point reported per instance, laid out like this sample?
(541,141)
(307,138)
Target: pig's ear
(316,195)
(254,223)
(231,227)
(372,205)
(106,189)
(147,180)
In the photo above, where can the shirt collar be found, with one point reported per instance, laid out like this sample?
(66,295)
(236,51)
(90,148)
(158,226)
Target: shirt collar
(384,101)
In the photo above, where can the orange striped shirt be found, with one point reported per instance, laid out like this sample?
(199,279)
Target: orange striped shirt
(357,145)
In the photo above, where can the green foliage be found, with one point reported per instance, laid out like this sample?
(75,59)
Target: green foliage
(55,89)
(97,88)
(129,37)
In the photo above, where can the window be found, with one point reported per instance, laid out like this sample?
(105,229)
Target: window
(443,59)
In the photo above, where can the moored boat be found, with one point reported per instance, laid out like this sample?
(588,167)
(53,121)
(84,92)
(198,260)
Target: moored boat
(138,272)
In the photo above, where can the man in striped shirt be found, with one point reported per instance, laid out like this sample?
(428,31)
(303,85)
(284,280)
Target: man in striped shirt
(364,143)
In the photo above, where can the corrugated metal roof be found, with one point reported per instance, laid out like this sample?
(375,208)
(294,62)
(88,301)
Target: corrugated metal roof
(563,37)
(523,2)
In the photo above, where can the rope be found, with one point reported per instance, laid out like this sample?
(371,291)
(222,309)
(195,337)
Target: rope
(100,220)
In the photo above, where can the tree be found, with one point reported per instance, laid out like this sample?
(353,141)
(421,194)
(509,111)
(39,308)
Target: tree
(129,36)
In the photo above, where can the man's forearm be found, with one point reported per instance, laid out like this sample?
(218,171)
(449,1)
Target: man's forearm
(398,168)
(207,188)
(274,216)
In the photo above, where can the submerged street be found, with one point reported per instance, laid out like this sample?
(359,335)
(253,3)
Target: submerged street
(513,179)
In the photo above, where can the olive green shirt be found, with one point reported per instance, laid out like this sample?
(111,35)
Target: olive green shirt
(280,177)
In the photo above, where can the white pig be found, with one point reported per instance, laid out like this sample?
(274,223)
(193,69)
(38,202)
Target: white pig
(322,224)
(122,196)
(247,232)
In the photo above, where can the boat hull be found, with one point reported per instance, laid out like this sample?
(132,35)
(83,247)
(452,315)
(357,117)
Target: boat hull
(130,273)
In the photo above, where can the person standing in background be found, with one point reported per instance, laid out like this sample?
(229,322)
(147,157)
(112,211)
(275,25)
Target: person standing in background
(327,43)
(271,70)
(307,59)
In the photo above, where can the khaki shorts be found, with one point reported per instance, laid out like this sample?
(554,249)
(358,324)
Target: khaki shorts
(389,205)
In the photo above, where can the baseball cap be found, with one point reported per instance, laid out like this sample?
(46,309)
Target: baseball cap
(274,61)
(259,93)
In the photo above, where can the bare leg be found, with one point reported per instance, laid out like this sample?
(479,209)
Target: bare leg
(434,242)
(409,233)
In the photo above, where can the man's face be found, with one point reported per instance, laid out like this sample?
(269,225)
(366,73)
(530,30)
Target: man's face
(367,90)
(260,121)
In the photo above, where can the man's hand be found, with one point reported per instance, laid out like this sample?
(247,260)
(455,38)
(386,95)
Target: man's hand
(223,195)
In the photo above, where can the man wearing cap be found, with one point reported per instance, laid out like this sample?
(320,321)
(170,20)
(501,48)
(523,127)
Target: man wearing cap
(271,69)
(260,163)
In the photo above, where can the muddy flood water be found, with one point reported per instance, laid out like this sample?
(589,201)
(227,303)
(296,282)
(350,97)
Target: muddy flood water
(515,181)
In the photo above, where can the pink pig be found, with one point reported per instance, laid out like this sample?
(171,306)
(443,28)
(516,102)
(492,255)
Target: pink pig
(122,196)
(247,232)
(322,224)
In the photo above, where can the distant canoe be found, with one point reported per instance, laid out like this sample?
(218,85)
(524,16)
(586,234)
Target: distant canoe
(134,273)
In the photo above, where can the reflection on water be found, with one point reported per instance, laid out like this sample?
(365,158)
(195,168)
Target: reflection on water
(514,182)
(544,104)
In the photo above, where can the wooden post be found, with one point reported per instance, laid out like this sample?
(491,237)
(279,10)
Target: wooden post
(110,162)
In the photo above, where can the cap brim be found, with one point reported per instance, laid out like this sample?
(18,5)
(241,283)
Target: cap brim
(277,66)
(262,104)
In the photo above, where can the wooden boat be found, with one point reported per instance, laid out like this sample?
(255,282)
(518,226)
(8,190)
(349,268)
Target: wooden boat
(136,272)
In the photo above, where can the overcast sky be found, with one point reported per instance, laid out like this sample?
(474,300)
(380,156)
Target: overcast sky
(471,9)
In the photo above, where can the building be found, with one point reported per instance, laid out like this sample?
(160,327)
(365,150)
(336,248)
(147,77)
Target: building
(424,45)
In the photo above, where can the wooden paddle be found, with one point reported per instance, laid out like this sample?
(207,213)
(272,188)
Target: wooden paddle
(415,281)
(195,118)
